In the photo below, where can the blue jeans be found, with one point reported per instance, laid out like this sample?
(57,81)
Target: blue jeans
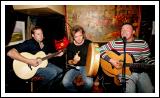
(139,82)
(70,76)
(50,73)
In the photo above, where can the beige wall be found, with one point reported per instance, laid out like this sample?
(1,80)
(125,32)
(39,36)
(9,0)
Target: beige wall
(40,8)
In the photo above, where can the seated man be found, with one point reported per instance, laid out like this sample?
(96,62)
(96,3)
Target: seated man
(50,72)
(75,80)
(136,82)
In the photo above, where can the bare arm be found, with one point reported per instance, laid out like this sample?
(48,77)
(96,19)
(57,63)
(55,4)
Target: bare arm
(14,54)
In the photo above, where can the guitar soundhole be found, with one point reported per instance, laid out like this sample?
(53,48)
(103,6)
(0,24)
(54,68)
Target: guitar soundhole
(30,67)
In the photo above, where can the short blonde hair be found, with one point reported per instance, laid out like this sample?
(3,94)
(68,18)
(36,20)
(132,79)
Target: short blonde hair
(35,28)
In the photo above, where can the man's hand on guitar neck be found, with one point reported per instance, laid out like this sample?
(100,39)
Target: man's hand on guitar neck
(115,63)
(61,52)
(58,54)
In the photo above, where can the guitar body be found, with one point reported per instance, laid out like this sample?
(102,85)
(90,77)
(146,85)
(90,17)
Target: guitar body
(111,71)
(25,71)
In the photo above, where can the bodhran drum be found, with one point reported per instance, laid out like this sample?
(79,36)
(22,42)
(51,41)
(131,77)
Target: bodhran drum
(92,60)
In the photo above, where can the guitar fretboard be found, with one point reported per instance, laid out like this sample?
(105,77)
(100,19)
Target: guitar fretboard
(140,65)
(50,56)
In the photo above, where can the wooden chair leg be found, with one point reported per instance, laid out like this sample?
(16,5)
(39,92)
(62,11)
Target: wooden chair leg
(31,86)
(34,80)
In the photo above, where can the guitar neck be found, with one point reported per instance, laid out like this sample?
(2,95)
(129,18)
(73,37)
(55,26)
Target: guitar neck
(50,56)
(140,65)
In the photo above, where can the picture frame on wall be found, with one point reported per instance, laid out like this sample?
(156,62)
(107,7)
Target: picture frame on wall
(18,34)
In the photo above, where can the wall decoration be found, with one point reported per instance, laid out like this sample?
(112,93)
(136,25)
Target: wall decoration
(102,23)
(18,34)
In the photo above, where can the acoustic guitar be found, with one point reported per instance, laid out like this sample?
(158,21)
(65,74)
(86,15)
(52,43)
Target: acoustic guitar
(25,71)
(111,71)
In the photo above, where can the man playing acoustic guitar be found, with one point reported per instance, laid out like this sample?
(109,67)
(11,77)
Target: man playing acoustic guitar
(34,65)
(138,48)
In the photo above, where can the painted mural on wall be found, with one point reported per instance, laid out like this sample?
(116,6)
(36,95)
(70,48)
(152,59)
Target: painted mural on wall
(102,22)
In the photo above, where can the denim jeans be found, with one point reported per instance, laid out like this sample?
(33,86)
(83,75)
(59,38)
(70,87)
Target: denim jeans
(139,82)
(70,76)
(50,74)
